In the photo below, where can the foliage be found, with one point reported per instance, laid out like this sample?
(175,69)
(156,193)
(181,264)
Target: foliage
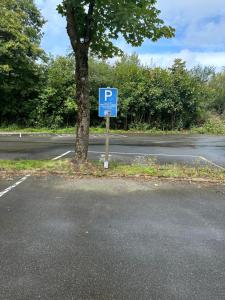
(56,106)
(214,125)
(98,23)
(150,99)
(92,26)
(100,75)
(167,99)
(217,84)
(20,74)
(203,73)
(37,91)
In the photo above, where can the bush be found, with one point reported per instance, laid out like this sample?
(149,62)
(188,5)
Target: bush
(215,125)
(139,126)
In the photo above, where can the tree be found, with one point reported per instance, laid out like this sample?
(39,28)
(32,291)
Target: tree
(56,104)
(203,74)
(187,100)
(92,25)
(20,74)
(130,79)
(217,84)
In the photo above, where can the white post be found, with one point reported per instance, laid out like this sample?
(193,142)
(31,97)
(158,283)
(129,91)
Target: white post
(106,161)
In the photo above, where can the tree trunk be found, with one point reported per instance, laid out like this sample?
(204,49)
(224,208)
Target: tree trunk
(81,44)
(126,122)
(83,103)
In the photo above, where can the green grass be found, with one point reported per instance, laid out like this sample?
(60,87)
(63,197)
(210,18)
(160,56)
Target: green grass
(14,128)
(68,130)
(93,130)
(36,165)
(65,167)
(208,128)
(170,171)
(215,126)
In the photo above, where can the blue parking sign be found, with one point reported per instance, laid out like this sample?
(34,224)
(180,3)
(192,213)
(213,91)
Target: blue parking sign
(108,102)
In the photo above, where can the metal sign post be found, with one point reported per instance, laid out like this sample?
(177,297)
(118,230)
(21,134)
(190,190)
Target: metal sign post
(107,108)
(106,160)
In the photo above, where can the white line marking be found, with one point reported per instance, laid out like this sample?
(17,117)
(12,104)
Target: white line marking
(25,177)
(148,154)
(212,163)
(64,154)
(14,185)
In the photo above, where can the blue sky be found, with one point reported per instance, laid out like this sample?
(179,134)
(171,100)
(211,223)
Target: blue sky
(200,33)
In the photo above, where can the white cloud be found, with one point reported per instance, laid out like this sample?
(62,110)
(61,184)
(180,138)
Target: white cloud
(201,21)
(55,23)
(55,38)
(211,35)
(216,59)
(200,37)
(186,11)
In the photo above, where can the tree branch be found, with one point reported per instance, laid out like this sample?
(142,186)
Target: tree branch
(89,20)
(71,27)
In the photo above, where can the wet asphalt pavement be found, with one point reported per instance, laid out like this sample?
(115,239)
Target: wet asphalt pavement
(65,239)
(187,149)
(107,239)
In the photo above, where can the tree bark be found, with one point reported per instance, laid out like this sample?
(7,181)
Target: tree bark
(81,46)
(83,103)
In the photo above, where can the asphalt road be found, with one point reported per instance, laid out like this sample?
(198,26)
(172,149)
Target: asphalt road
(108,239)
(165,149)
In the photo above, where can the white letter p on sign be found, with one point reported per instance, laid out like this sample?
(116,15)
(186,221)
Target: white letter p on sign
(108,94)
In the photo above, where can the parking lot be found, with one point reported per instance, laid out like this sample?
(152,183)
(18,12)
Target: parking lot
(184,149)
(111,239)
(71,238)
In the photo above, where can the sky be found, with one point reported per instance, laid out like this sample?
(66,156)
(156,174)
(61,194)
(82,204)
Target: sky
(200,33)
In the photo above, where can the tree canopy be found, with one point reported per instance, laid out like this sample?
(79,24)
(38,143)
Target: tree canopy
(20,36)
(100,22)
(40,91)
(92,26)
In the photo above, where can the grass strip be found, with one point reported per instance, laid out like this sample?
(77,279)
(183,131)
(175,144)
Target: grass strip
(93,130)
(66,167)
(99,130)
(36,165)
